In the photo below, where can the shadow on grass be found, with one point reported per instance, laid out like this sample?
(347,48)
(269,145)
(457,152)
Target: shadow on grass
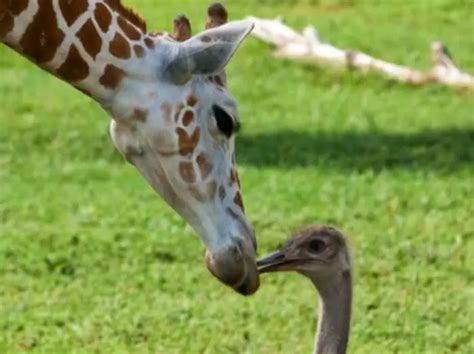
(441,150)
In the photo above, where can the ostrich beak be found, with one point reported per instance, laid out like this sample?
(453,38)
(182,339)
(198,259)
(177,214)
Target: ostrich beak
(276,262)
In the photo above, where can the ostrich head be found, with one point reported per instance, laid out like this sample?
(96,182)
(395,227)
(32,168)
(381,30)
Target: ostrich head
(316,251)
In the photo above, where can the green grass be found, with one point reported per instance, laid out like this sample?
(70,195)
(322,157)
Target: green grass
(92,261)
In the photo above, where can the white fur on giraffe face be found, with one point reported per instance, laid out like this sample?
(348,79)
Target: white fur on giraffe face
(150,119)
(152,145)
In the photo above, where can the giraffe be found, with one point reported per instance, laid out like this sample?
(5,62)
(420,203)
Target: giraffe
(172,115)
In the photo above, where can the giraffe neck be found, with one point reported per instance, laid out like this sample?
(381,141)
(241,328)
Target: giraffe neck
(92,44)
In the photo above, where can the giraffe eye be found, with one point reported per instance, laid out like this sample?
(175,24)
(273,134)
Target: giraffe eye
(225,123)
(316,246)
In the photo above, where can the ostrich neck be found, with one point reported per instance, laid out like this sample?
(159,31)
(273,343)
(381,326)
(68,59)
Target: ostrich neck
(335,317)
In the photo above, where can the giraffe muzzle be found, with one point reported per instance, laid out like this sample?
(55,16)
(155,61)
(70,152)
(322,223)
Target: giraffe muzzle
(236,267)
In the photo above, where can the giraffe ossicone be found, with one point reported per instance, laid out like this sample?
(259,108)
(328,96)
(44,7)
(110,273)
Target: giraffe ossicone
(161,92)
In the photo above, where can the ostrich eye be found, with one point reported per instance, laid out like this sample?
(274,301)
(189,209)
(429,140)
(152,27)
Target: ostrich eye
(316,246)
(225,123)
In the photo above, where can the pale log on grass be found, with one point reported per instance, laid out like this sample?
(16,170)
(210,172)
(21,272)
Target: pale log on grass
(307,46)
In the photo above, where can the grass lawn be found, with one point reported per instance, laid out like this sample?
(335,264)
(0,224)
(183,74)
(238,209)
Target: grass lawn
(92,261)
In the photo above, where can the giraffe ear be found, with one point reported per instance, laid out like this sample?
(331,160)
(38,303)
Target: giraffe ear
(208,52)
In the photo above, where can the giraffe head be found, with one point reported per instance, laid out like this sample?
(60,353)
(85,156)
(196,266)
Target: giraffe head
(178,127)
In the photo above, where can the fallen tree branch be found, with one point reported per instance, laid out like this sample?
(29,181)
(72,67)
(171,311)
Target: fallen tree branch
(307,46)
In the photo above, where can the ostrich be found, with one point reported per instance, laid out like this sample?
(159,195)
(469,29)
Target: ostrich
(321,254)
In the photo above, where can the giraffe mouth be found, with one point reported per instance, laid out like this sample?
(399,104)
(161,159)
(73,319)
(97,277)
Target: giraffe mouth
(236,267)
(251,280)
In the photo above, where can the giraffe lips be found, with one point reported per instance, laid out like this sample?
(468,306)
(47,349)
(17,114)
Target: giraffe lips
(235,268)
(251,281)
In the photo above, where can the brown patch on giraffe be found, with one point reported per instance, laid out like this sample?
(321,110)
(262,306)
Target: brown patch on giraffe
(238,201)
(222,193)
(112,77)
(127,12)
(6,23)
(150,43)
(166,109)
(130,30)
(131,153)
(42,36)
(120,47)
(139,51)
(179,108)
(233,177)
(196,194)
(211,190)
(18,6)
(140,114)
(164,142)
(90,39)
(204,165)
(192,101)
(238,179)
(187,143)
(188,118)
(218,80)
(71,10)
(187,173)
(103,17)
(74,67)
(206,39)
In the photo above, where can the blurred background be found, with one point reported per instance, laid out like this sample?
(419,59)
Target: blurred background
(92,261)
